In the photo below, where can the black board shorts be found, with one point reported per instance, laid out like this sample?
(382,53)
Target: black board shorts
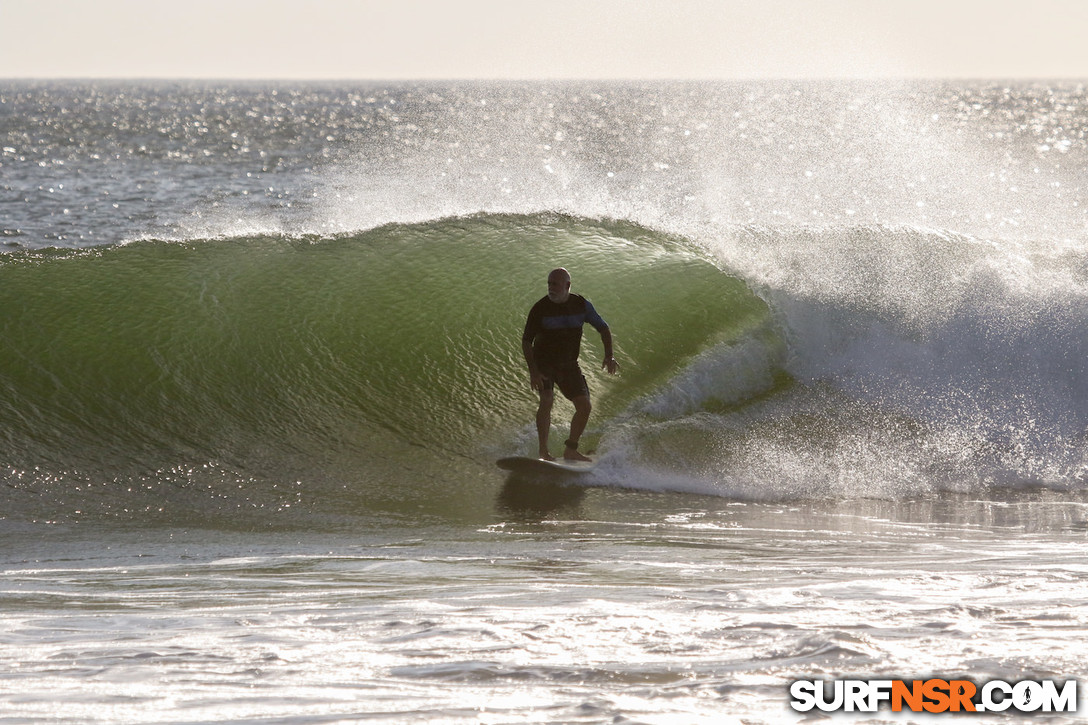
(569,378)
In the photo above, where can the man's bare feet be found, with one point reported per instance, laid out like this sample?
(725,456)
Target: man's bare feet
(545,456)
(572,454)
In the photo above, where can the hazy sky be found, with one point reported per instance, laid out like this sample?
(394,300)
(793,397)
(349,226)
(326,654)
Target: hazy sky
(395,39)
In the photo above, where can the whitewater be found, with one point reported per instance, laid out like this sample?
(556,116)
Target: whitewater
(262,347)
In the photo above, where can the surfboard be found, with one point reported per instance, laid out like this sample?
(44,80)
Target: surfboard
(524,464)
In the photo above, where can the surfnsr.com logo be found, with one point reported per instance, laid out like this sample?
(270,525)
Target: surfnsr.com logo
(934,695)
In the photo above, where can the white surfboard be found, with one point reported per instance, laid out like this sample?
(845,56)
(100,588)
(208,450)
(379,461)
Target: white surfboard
(524,464)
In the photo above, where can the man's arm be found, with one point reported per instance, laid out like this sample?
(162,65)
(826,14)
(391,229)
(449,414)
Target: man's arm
(609,363)
(536,380)
(595,319)
(532,329)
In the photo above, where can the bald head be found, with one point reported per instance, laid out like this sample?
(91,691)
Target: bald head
(559,285)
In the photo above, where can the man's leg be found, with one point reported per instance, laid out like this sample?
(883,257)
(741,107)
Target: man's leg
(582,409)
(544,423)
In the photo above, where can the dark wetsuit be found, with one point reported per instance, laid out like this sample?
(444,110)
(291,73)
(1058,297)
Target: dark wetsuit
(555,330)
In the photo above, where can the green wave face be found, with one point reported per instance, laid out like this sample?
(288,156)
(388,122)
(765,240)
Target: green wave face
(261,351)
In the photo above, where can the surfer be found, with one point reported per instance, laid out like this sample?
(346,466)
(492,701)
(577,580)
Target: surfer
(551,343)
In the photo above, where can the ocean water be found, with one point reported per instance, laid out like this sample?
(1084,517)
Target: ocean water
(261,347)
